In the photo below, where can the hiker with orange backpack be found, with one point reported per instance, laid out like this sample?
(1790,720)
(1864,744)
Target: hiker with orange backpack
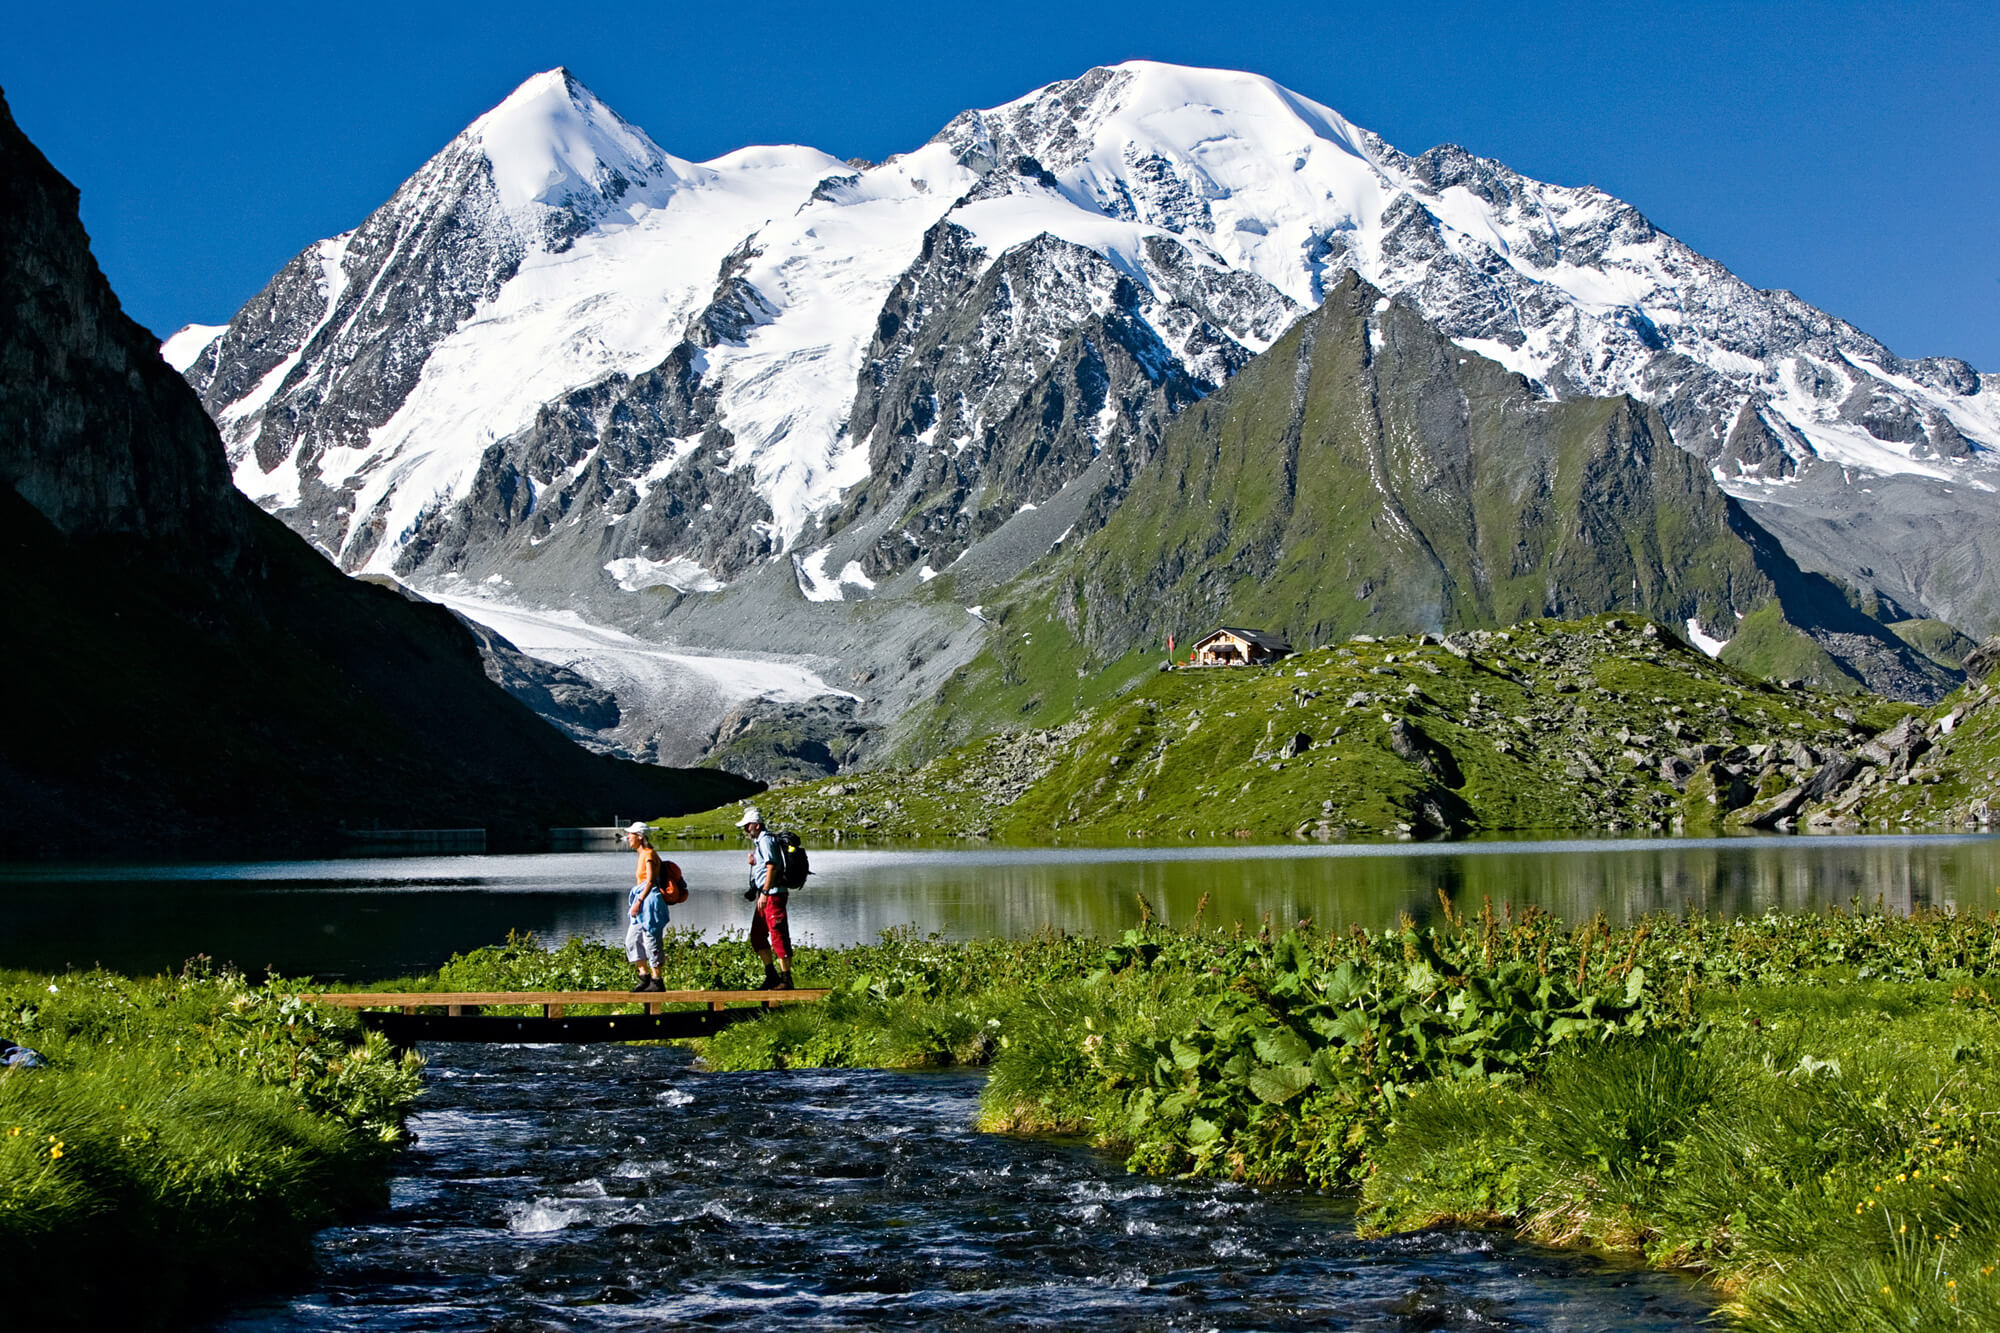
(656,884)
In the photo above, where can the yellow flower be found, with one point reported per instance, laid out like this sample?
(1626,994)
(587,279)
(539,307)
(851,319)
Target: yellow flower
(55,1152)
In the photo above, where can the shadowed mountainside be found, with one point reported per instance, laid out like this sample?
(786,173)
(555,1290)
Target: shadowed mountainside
(183,673)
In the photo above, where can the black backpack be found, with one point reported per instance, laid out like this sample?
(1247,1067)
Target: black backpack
(793,863)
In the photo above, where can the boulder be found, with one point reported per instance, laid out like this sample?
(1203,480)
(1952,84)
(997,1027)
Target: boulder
(1410,744)
(1981,661)
(1779,809)
(1896,747)
(1835,773)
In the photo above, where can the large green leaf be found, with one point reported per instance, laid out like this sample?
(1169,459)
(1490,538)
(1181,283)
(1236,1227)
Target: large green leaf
(1279,1083)
(1282,1046)
(1352,1027)
(1345,985)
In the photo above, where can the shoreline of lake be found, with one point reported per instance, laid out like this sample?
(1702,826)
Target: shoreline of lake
(356,919)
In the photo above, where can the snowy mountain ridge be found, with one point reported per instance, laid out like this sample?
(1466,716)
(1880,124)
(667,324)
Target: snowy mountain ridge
(556,332)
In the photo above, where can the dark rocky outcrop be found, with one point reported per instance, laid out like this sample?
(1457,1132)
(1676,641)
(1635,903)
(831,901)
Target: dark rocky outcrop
(183,673)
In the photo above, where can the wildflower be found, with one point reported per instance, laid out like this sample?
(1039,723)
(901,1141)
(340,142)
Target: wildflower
(55,1152)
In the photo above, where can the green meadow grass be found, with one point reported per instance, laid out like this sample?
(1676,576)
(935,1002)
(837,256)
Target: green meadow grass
(186,1138)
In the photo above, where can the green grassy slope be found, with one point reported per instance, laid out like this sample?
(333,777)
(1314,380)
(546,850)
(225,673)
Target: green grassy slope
(1367,476)
(1602,723)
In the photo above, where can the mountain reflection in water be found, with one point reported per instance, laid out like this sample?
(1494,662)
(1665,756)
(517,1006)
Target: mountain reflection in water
(619,1187)
(382,917)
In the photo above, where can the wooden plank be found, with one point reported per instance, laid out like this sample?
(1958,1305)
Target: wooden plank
(406,1030)
(405,999)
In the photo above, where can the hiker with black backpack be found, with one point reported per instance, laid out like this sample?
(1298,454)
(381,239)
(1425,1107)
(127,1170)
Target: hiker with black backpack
(770,929)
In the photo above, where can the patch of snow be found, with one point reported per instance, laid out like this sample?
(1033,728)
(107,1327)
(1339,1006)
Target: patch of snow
(926,574)
(1517,359)
(185,347)
(1712,646)
(813,581)
(636,573)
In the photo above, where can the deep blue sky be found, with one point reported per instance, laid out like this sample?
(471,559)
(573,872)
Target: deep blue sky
(1850,152)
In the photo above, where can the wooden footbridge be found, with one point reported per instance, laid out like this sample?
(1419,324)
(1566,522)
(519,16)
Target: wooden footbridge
(407,1017)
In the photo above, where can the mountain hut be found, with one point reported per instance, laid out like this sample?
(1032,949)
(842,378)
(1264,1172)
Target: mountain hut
(1230,646)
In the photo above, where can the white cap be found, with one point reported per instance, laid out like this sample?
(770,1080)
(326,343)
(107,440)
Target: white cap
(751,815)
(638,828)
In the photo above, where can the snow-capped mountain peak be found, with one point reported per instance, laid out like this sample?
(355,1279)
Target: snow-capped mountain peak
(557,331)
(553,142)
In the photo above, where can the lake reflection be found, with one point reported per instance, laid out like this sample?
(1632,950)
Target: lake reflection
(369,918)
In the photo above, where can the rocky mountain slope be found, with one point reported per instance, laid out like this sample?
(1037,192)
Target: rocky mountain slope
(183,673)
(1368,475)
(557,334)
(1609,723)
(1936,769)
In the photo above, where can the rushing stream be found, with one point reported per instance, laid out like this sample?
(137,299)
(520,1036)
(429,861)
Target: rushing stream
(621,1188)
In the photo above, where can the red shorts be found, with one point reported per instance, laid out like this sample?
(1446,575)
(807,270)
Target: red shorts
(769,926)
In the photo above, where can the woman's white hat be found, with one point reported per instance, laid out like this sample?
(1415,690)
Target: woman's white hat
(751,815)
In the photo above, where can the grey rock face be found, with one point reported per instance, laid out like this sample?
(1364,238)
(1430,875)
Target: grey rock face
(578,709)
(969,414)
(778,743)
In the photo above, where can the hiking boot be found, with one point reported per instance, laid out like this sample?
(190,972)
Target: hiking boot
(784,982)
(647,985)
(770,981)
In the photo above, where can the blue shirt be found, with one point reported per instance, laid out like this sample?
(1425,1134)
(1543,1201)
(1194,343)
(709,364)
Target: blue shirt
(762,853)
(653,916)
